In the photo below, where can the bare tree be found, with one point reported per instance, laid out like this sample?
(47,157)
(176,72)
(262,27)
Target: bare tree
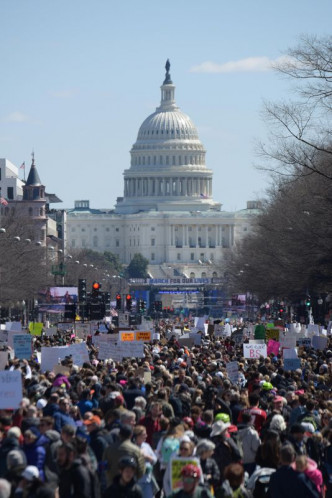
(289,251)
(23,269)
(300,141)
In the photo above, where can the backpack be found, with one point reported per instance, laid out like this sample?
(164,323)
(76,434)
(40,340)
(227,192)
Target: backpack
(262,486)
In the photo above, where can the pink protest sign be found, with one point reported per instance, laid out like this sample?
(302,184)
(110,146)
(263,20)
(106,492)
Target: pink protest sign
(273,347)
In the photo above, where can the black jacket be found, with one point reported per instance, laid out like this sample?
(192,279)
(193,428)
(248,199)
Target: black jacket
(75,482)
(132,490)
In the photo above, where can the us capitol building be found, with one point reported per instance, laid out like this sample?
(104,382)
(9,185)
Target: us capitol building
(167,212)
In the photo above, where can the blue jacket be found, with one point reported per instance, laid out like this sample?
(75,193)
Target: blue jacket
(61,419)
(288,483)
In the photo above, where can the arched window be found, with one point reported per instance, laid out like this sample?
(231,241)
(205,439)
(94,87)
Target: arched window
(203,274)
(192,275)
(215,274)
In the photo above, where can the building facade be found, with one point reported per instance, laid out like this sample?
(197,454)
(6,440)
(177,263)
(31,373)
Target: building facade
(167,212)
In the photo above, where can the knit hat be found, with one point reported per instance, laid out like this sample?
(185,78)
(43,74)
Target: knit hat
(16,458)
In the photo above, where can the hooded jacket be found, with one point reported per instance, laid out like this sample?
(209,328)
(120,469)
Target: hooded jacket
(250,440)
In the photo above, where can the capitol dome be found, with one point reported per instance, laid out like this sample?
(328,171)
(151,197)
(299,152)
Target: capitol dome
(167,169)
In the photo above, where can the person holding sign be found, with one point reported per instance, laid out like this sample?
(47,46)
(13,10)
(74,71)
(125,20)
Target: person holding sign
(190,484)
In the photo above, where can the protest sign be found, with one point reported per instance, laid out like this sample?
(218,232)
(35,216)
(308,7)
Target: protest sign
(126,336)
(233,371)
(22,345)
(272,333)
(292,363)
(287,341)
(144,336)
(197,339)
(147,377)
(304,341)
(35,328)
(10,389)
(13,326)
(186,341)
(177,464)
(273,347)
(50,332)
(79,353)
(256,341)
(3,359)
(3,335)
(319,342)
(313,329)
(260,332)
(64,326)
(11,334)
(199,322)
(254,350)
(290,353)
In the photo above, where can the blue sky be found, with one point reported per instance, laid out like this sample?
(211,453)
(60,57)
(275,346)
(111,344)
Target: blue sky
(79,77)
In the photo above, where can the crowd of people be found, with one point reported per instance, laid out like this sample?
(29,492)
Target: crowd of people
(104,430)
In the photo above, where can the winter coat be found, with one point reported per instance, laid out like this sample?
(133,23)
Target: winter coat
(75,482)
(225,452)
(250,441)
(287,483)
(132,490)
(115,452)
(8,444)
(36,454)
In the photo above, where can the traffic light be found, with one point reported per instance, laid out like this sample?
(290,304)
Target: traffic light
(128,302)
(82,290)
(70,311)
(308,302)
(158,305)
(118,302)
(141,305)
(96,286)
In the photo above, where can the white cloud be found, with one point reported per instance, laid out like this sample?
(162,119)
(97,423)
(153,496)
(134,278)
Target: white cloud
(17,117)
(250,64)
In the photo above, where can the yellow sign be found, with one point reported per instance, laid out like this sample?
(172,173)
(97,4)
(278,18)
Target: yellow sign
(35,328)
(177,465)
(143,336)
(272,333)
(127,336)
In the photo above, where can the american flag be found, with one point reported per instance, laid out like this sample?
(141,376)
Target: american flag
(113,312)
(3,201)
(204,196)
(22,165)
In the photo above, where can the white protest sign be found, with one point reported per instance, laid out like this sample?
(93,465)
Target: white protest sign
(119,350)
(199,322)
(319,342)
(79,353)
(64,326)
(22,344)
(290,354)
(10,389)
(233,371)
(3,359)
(227,330)
(254,350)
(313,329)
(51,356)
(14,326)
(50,332)
(287,341)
